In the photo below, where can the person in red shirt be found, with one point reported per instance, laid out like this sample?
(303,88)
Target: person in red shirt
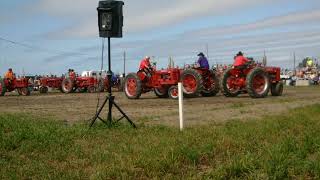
(72,74)
(240,61)
(145,63)
(145,66)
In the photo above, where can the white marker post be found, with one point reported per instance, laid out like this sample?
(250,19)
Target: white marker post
(180,92)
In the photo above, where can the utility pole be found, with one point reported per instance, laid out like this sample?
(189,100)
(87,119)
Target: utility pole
(294,63)
(207,50)
(264,60)
(23,73)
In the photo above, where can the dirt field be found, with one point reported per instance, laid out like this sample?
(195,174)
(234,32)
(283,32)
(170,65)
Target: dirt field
(152,110)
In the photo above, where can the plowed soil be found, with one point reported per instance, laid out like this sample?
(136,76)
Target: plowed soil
(80,107)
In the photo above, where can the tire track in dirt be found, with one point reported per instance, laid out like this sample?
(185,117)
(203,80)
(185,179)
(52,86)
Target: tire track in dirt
(152,110)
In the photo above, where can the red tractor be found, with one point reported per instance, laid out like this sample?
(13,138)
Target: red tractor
(19,84)
(52,82)
(164,83)
(252,78)
(82,84)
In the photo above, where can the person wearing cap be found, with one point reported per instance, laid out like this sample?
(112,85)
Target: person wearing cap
(145,63)
(72,74)
(69,72)
(240,60)
(9,75)
(203,61)
(145,66)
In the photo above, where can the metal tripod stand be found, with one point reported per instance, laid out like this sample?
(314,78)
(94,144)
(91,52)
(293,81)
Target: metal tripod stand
(110,98)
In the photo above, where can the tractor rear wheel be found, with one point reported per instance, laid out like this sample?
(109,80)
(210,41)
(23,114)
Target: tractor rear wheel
(257,83)
(173,92)
(67,85)
(229,88)
(211,86)
(132,86)
(161,92)
(277,89)
(60,89)
(24,91)
(43,90)
(3,88)
(192,83)
(19,91)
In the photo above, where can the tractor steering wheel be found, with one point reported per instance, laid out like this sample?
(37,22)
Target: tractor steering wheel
(250,62)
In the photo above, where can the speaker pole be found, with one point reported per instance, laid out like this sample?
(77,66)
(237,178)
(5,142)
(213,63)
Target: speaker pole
(110,98)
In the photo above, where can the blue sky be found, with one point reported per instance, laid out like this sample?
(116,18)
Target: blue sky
(55,35)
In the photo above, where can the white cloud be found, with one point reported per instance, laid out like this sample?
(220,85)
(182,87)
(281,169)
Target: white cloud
(301,18)
(140,15)
(145,15)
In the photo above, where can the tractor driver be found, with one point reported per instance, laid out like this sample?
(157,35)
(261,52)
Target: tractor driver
(203,61)
(72,74)
(145,66)
(240,61)
(9,75)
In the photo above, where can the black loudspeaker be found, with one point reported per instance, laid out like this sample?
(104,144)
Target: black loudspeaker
(110,18)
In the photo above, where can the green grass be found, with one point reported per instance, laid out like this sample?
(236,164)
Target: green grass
(278,147)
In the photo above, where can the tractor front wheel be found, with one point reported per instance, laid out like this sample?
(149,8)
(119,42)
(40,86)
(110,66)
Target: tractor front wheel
(19,91)
(277,89)
(229,86)
(173,92)
(211,86)
(161,92)
(132,86)
(67,85)
(24,91)
(257,83)
(192,83)
(43,89)
(91,89)
(3,88)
